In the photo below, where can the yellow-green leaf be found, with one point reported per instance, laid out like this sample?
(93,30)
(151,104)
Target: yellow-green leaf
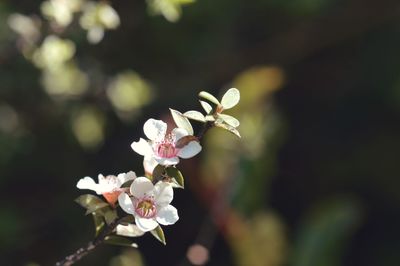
(230,98)
(209,97)
(177,175)
(158,233)
(195,115)
(181,121)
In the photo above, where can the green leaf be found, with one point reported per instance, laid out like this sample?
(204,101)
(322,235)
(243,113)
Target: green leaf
(120,241)
(195,115)
(181,121)
(98,223)
(127,220)
(230,120)
(207,96)
(158,173)
(127,183)
(230,98)
(90,202)
(229,128)
(177,175)
(108,213)
(158,233)
(206,106)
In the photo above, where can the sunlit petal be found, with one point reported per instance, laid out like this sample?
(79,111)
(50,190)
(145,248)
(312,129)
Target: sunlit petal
(167,215)
(190,150)
(126,203)
(154,129)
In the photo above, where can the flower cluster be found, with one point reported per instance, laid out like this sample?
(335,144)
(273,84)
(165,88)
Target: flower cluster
(147,199)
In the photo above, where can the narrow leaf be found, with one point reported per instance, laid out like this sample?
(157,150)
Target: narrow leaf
(206,106)
(127,183)
(207,96)
(177,175)
(158,173)
(108,213)
(158,233)
(98,223)
(195,115)
(119,241)
(230,120)
(181,121)
(90,202)
(230,98)
(229,128)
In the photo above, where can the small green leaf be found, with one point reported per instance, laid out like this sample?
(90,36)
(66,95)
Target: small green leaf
(127,220)
(195,115)
(206,106)
(127,183)
(108,213)
(177,175)
(207,96)
(98,223)
(230,120)
(119,241)
(181,121)
(230,98)
(90,202)
(158,233)
(229,128)
(158,173)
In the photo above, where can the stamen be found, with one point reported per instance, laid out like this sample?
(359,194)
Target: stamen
(146,208)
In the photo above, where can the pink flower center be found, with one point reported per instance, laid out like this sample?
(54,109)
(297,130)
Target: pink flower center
(146,208)
(166,148)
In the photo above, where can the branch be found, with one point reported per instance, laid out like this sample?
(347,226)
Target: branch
(83,251)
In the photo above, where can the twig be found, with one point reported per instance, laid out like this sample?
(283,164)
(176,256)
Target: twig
(83,251)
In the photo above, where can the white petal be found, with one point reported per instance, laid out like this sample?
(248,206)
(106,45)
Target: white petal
(154,129)
(179,133)
(167,215)
(88,183)
(141,186)
(126,203)
(149,164)
(130,230)
(163,193)
(145,224)
(122,178)
(142,147)
(190,150)
(167,161)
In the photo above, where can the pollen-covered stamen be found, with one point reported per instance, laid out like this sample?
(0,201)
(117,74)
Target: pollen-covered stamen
(166,148)
(146,208)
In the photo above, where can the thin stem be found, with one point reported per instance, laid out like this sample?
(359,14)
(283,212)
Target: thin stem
(205,128)
(83,251)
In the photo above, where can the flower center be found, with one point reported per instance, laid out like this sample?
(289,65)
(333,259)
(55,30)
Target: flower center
(146,208)
(166,150)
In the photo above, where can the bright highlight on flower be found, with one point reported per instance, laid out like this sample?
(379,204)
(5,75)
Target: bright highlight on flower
(166,149)
(108,186)
(149,204)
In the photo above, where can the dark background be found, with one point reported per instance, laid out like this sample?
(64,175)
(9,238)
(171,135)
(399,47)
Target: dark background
(313,181)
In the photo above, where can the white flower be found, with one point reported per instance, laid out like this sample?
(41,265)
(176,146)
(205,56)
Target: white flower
(150,204)
(108,186)
(165,148)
